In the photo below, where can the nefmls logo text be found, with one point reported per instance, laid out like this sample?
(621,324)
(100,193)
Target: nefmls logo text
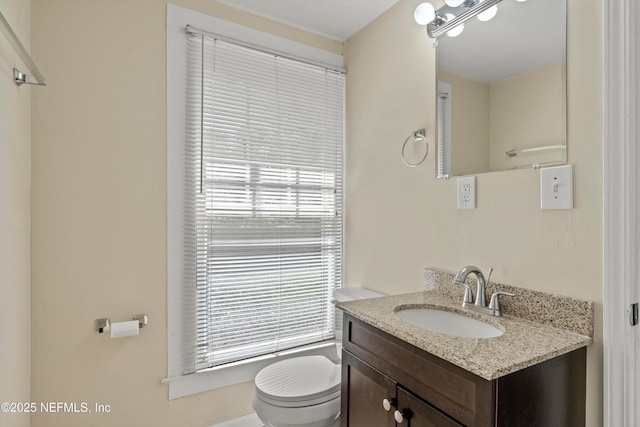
(66,407)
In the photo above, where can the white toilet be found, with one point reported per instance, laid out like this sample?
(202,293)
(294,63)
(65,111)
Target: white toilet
(303,391)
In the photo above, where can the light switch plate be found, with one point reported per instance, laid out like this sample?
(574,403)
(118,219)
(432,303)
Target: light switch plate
(556,187)
(467,192)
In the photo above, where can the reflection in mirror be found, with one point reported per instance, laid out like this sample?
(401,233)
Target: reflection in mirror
(501,91)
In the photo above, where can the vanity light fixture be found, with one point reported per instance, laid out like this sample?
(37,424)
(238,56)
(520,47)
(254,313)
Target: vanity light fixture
(450,18)
(488,14)
(456,31)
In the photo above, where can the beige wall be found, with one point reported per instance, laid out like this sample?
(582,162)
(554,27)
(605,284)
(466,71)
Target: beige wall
(528,110)
(401,219)
(470,130)
(99,212)
(524,111)
(15,212)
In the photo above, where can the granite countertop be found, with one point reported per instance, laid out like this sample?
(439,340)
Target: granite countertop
(523,344)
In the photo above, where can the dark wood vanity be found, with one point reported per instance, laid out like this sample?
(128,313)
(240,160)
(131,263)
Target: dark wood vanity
(421,389)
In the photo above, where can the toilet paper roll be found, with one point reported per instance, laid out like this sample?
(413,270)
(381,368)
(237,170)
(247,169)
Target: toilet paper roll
(125,329)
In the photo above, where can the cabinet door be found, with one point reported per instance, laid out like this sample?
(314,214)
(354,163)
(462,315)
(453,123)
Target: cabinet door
(414,412)
(364,391)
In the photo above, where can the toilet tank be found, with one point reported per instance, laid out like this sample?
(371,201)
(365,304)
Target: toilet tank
(350,294)
(344,295)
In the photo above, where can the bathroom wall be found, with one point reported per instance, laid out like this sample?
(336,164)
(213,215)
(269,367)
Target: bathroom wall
(470,131)
(528,110)
(99,212)
(523,111)
(402,219)
(15,212)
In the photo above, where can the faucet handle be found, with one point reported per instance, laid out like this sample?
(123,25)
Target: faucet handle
(468,293)
(494,304)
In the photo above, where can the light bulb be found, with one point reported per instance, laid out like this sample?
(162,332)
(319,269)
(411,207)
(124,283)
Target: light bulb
(488,14)
(455,32)
(424,13)
(454,3)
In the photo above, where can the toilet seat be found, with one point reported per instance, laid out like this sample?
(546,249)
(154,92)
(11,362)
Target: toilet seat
(298,382)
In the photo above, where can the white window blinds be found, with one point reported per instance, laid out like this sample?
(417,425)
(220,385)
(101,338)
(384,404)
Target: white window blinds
(444,130)
(263,227)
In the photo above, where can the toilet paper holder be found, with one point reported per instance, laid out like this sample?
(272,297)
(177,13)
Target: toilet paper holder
(101,325)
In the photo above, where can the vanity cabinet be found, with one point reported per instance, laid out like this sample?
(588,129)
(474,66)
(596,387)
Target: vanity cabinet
(373,400)
(387,382)
(367,389)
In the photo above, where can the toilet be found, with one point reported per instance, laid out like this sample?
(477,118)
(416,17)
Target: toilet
(304,391)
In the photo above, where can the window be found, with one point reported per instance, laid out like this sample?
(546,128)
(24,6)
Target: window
(261,203)
(444,129)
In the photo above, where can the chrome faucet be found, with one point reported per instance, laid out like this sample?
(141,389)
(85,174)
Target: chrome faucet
(480,303)
(460,278)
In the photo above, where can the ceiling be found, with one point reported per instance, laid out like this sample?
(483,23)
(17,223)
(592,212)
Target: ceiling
(522,36)
(336,19)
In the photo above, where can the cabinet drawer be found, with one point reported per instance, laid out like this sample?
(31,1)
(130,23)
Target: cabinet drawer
(455,391)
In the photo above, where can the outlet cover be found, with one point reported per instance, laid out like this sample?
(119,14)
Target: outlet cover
(467,192)
(556,187)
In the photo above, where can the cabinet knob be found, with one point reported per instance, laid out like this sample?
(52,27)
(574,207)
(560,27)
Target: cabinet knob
(398,416)
(386,404)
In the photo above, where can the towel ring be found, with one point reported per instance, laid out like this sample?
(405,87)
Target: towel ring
(417,136)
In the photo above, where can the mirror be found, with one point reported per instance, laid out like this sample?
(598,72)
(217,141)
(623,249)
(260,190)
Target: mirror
(501,91)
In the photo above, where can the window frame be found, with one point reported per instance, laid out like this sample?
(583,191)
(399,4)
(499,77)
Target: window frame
(177,19)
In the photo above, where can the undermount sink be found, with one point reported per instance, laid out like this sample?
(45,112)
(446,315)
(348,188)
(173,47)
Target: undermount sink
(449,323)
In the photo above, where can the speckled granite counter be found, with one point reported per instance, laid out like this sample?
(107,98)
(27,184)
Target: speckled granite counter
(523,344)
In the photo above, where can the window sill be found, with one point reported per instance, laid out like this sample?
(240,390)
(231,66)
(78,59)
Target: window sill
(240,372)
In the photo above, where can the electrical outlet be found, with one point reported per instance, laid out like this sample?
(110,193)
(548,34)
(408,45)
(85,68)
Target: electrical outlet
(467,192)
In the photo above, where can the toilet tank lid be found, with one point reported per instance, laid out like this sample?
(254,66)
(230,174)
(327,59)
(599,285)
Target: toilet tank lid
(350,294)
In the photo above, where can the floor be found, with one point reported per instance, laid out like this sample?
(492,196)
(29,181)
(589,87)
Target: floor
(246,421)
